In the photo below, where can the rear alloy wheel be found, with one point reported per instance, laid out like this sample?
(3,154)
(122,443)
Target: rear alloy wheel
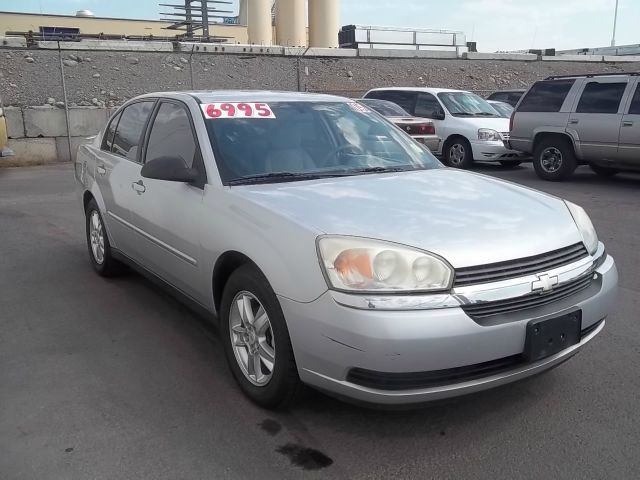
(554,159)
(458,153)
(604,171)
(98,243)
(256,340)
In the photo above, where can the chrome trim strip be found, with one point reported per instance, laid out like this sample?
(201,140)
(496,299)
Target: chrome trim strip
(473,294)
(151,238)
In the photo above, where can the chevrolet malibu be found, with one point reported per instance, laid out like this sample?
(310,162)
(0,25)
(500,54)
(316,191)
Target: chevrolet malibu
(334,251)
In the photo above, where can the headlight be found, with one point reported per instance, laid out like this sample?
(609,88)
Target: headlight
(588,232)
(363,265)
(488,135)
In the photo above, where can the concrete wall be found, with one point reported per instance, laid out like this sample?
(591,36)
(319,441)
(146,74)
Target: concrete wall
(97,78)
(39,134)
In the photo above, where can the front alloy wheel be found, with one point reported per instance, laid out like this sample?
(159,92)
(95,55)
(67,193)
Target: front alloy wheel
(256,340)
(252,338)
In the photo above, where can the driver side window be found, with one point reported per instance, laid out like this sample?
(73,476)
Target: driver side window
(172,136)
(428,106)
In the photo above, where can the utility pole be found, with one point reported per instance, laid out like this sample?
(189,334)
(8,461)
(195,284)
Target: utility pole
(615,24)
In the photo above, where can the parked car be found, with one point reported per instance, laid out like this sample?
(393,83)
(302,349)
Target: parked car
(583,119)
(334,251)
(470,128)
(421,129)
(512,97)
(504,109)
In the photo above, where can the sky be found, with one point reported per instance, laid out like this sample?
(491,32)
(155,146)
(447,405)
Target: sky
(494,24)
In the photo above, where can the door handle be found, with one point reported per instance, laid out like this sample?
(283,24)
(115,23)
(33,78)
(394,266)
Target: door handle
(574,121)
(139,187)
(101,170)
(627,124)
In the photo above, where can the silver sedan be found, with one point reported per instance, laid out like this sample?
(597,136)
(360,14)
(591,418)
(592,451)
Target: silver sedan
(334,251)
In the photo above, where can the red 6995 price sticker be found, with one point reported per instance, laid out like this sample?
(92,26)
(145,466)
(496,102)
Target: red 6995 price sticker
(237,110)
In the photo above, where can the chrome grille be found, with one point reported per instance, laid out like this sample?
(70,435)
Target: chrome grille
(496,272)
(487,309)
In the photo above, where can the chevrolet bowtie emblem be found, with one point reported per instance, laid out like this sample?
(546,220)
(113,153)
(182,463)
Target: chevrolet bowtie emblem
(545,283)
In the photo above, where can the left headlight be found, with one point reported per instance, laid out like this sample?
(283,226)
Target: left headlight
(585,226)
(356,264)
(488,135)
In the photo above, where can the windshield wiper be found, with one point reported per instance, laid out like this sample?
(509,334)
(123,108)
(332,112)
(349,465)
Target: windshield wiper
(380,170)
(464,114)
(275,177)
(486,114)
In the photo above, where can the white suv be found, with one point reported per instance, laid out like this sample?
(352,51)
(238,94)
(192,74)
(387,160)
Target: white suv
(471,129)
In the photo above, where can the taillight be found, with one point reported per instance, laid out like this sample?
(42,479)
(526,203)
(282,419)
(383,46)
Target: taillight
(429,130)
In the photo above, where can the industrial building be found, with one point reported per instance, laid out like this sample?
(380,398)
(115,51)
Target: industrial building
(259,22)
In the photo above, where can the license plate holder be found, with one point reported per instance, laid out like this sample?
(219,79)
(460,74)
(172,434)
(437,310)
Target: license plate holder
(549,336)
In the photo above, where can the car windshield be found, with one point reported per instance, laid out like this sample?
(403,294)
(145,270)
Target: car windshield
(466,104)
(385,108)
(504,109)
(308,140)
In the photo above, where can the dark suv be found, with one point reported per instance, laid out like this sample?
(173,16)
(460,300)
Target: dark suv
(582,119)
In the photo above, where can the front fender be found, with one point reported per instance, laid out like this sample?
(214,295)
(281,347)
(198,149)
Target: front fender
(282,249)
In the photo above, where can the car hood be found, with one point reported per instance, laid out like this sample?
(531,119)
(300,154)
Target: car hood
(499,124)
(467,218)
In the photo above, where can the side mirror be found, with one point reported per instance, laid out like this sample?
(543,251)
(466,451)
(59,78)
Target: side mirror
(438,114)
(170,169)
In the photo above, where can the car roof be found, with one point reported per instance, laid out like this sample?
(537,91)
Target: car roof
(513,90)
(213,96)
(419,89)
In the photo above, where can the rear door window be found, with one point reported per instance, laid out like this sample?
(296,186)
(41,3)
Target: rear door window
(406,99)
(107,143)
(546,96)
(635,103)
(128,136)
(601,97)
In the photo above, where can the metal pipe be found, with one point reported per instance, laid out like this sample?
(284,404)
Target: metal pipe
(66,101)
(615,25)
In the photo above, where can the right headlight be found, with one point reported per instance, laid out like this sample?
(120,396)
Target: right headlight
(360,265)
(583,222)
(489,135)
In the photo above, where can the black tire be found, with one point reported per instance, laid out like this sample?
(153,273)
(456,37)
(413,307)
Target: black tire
(284,386)
(604,171)
(107,266)
(554,159)
(462,147)
(510,164)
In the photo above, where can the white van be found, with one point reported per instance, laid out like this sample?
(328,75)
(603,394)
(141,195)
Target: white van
(470,129)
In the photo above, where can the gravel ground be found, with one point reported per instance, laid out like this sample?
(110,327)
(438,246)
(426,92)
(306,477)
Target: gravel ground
(32,77)
(115,380)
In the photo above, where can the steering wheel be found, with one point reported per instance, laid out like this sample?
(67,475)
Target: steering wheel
(334,153)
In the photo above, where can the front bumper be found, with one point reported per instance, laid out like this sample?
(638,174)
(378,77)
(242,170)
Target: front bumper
(330,339)
(495,152)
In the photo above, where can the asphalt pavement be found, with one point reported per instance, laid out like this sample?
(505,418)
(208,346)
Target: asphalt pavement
(113,379)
